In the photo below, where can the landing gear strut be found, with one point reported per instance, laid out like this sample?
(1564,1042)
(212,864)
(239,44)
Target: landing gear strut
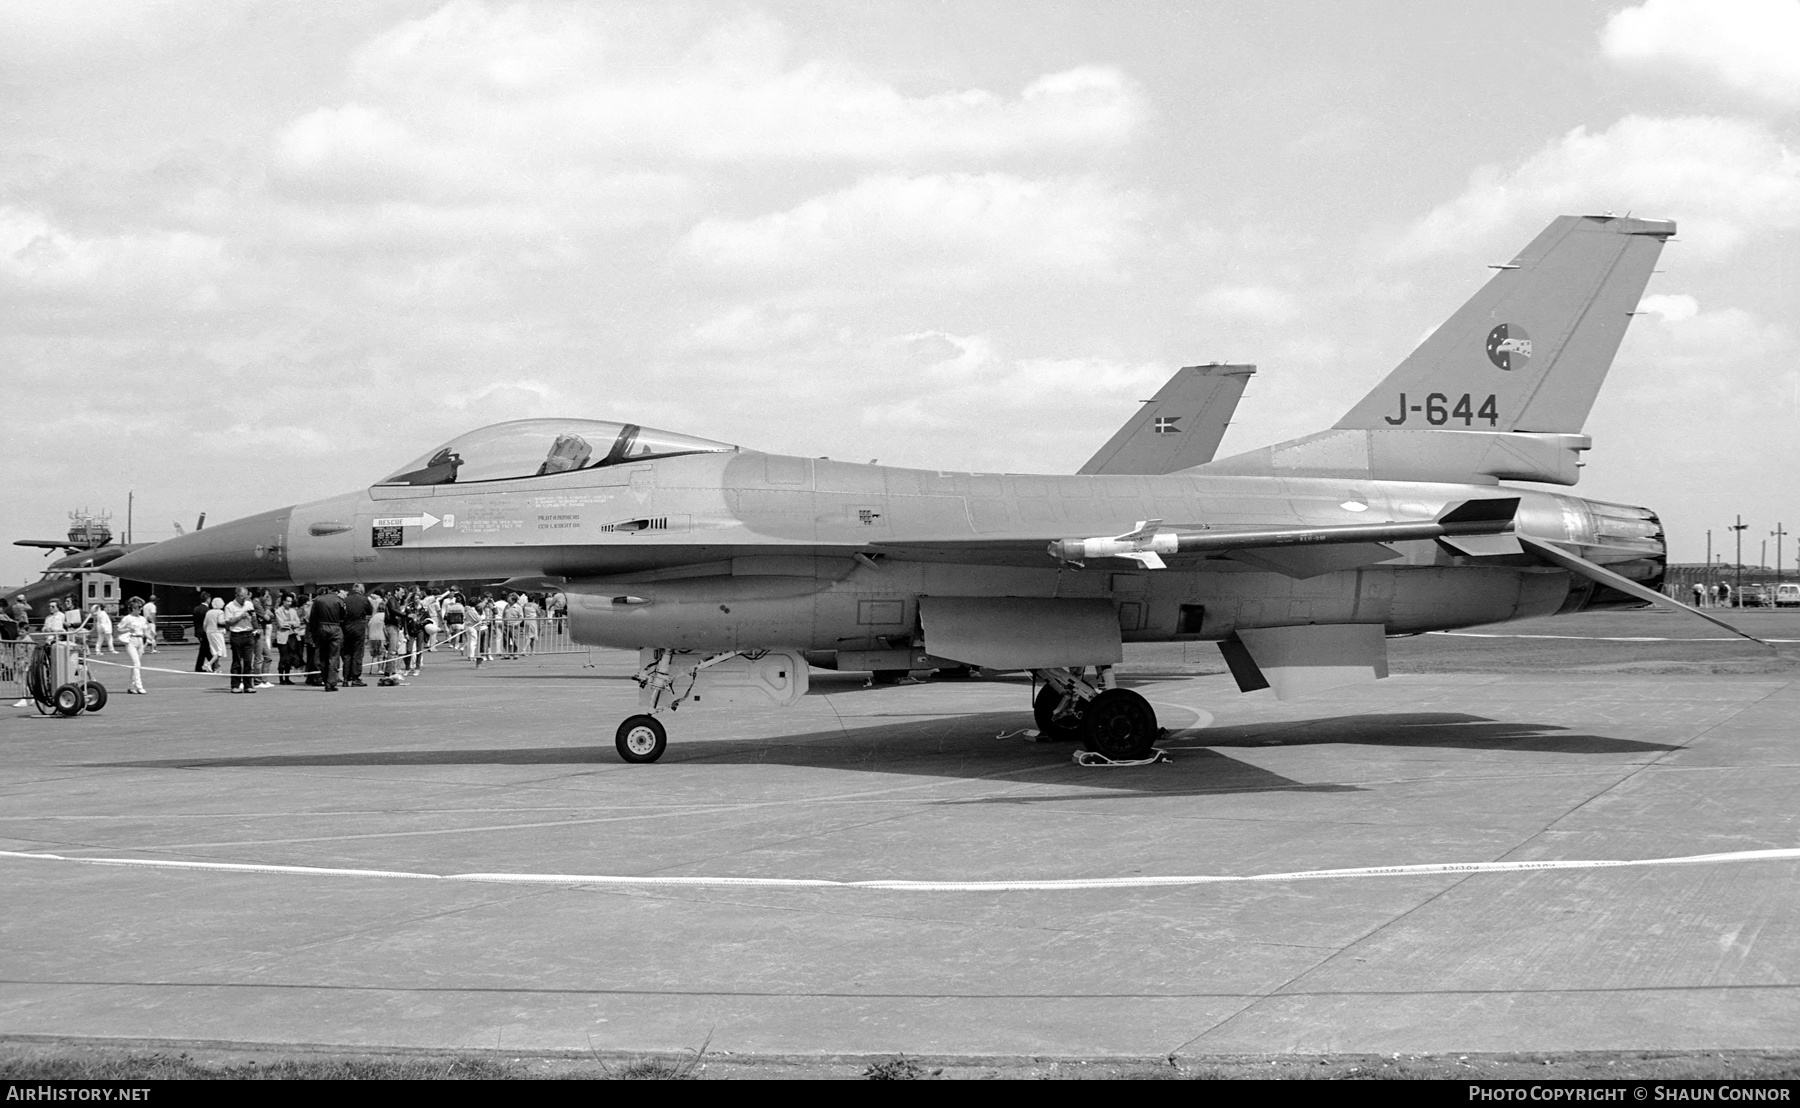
(1045,707)
(1110,721)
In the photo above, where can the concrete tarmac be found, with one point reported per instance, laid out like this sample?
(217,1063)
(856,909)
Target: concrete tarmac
(511,769)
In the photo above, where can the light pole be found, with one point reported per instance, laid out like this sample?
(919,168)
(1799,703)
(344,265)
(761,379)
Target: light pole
(1708,601)
(1779,533)
(1737,590)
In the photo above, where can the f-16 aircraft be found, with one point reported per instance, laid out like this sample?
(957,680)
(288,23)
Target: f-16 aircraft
(727,568)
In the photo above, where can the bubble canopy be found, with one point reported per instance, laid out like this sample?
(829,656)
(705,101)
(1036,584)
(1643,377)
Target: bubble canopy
(542,447)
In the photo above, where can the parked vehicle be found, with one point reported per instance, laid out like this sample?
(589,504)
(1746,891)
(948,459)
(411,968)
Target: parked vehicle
(1754,596)
(1787,596)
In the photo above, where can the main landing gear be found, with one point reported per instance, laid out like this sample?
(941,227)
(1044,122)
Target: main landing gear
(1108,720)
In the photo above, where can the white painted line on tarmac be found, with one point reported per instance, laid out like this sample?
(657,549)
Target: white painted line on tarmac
(1593,638)
(1058,885)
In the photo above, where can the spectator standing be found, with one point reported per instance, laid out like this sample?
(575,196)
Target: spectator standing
(533,614)
(401,624)
(265,638)
(478,629)
(515,625)
(454,617)
(150,624)
(308,645)
(287,636)
(325,626)
(204,655)
(9,626)
(434,616)
(100,631)
(380,657)
(420,627)
(218,655)
(357,611)
(239,621)
(134,632)
(53,622)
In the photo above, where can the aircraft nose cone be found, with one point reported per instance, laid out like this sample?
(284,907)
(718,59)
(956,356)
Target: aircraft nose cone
(248,551)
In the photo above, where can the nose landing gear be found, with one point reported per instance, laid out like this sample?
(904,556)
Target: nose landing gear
(641,739)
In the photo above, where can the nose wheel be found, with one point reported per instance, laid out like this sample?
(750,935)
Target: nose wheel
(641,740)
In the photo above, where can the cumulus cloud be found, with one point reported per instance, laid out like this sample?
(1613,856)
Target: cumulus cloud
(1750,45)
(1727,346)
(1720,179)
(38,257)
(1669,307)
(748,328)
(1251,303)
(965,226)
(474,101)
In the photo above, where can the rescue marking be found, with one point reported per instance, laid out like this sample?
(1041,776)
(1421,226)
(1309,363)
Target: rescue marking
(1052,885)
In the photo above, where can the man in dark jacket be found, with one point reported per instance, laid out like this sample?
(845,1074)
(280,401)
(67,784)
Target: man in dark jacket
(325,626)
(205,655)
(357,611)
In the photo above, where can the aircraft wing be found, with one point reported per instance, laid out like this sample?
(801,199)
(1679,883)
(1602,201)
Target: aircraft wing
(1180,426)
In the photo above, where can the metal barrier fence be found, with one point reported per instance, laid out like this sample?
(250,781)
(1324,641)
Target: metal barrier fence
(15,659)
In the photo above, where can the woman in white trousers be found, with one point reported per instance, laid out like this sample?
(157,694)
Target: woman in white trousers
(134,633)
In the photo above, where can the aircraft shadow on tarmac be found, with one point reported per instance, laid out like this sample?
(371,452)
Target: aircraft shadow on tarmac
(1447,730)
(969,746)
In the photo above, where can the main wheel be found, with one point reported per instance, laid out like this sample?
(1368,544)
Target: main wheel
(1043,709)
(641,739)
(1119,724)
(96,696)
(69,700)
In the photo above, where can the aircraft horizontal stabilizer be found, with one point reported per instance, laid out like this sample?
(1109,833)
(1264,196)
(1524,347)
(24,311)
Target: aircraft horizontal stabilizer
(1580,566)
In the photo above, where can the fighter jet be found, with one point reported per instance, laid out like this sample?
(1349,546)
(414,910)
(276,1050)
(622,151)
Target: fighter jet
(88,546)
(728,567)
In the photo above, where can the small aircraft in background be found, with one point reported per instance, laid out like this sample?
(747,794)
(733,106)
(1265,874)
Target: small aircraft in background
(730,569)
(88,547)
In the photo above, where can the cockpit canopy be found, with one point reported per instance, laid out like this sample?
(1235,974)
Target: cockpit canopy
(540,447)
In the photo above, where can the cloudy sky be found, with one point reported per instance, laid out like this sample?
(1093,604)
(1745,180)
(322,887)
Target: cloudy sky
(258,253)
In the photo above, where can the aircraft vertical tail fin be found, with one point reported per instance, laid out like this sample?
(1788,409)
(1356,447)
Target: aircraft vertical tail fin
(1179,427)
(1529,351)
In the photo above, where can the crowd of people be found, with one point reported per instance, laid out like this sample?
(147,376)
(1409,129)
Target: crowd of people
(331,636)
(322,636)
(65,617)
